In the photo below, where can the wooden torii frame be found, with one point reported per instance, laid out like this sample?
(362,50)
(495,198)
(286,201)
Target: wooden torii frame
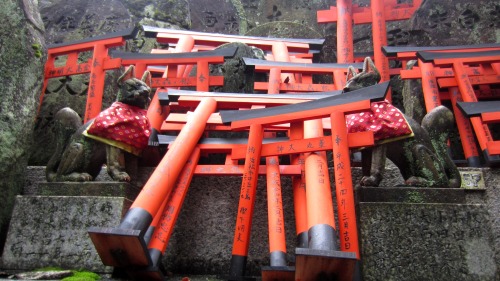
(311,261)
(205,41)
(463,85)
(487,112)
(380,11)
(124,246)
(96,66)
(429,75)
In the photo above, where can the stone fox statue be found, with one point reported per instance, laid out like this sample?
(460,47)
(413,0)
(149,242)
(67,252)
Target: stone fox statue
(421,155)
(110,138)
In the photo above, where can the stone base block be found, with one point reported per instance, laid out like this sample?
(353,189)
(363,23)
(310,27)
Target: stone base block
(52,230)
(426,241)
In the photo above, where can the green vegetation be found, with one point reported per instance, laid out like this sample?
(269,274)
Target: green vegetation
(78,275)
(415,197)
(38,50)
(82,275)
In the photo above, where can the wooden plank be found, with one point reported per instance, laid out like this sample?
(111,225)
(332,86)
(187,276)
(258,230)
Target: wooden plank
(410,51)
(363,15)
(174,58)
(282,273)
(237,170)
(474,80)
(312,265)
(296,87)
(152,31)
(472,109)
(443,58)
(355,140)
(259,64)
(128,33)
(120,247)
(353,102)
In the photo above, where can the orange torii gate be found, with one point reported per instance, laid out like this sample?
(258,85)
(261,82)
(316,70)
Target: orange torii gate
(332,69)
(313,211)
(462,85)
(208,41)
(381,11)
(429,75)
(172,62)
(487,112)
(129,245)
(312,260)
(96,66)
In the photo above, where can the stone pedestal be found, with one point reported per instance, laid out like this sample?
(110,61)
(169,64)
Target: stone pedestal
(424,234)
(49,226)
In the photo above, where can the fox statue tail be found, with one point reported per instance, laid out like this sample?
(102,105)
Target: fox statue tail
(66,123)
(438,123)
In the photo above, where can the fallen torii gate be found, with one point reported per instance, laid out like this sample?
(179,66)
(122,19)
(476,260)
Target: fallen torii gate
(124,246)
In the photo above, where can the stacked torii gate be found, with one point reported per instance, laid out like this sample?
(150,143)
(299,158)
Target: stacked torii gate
(438,84)
(380,12)
(162,196)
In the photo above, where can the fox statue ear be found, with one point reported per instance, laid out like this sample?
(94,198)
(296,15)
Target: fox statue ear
(369,66)
(146,78)
(129,74)
(351,72)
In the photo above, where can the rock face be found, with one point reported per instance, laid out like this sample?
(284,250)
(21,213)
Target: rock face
(21,68)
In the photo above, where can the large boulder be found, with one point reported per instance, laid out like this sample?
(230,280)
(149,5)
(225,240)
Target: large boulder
(22,45)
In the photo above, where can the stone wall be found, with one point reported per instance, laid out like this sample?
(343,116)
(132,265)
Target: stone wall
(22,48)
(405,233)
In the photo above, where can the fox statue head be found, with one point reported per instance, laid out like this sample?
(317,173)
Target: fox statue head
(134,91)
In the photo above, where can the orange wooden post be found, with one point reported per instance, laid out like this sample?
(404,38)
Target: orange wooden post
(185,44)
(246,204)
(379,38)
(280,52)
(465,131)
(345,43)
(320,215)
(276,222)
(299,190)
(343,185)
(48,65)
(164,223)
(161,236)
(161,181)
(156,220)
(96,83)
(148,202)
(429,85)
(156,112)
(277,240)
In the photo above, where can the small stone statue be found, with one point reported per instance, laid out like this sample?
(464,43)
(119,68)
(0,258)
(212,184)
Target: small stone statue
(117,135)
(420,153)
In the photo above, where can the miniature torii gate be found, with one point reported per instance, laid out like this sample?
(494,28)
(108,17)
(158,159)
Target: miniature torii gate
(378,14)
(429,75)
(96,66)
(487,112)
(312,260)
(205,40)
(462,82)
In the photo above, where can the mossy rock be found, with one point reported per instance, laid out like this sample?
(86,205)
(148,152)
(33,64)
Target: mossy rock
(284,29)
